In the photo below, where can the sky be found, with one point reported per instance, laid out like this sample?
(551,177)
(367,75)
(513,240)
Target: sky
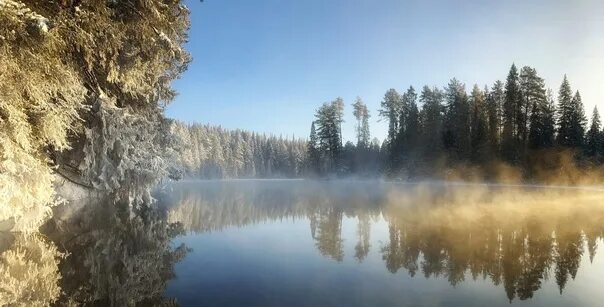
(267,65)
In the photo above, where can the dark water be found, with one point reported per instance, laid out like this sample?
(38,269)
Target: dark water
(321,243)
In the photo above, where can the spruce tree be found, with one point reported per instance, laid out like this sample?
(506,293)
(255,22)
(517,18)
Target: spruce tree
(535,103)
(479,126)
(495,100)
(431,122)
(593,142)
(578,120)
(392,109)
(565,114)
(510,142)
(457,121)
(329,118)
(314,155)
(411,130)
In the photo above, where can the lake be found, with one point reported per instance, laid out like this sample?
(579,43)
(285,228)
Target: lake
(324,243)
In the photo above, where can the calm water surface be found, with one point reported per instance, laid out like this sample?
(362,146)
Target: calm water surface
(327,243)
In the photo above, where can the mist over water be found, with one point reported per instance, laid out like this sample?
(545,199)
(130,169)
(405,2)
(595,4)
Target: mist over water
(316,243)
(368,243)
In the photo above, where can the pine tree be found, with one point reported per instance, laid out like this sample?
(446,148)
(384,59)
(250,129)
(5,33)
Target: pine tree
(532,89)
(457,138)
(479,127)
(495,101)
(361,114)
(511,139)
(593,144)
(329,118)
(549,121)
(536,104)
(431,122)
(392,110)
(410,133)
(314,157)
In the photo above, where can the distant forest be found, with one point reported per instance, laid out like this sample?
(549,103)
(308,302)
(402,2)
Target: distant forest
(514,129)
(516,124)
(212,152)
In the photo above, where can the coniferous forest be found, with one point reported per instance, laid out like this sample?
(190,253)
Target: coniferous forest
(512,130)
(210,152)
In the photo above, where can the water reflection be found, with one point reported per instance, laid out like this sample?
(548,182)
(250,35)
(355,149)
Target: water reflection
(516,238)
(117,255)
(96,254)
(29,273)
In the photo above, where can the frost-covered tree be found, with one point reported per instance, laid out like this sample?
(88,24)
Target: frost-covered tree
(205,151)
(29,272)
(82,89)
(116,255)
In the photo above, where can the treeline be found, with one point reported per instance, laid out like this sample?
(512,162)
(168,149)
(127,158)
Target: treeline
(213,152)
(516,122)
(327,155)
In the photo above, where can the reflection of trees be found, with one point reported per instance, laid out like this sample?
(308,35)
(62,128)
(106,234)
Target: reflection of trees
(29,273)
(517,248)
(214,205)
(328,235)
(364,235)
(516,238)
(117,255)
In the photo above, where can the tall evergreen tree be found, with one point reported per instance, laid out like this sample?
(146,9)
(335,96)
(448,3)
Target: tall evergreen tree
(479,127)
(361,114)
(392,109)
(495,100)
(535,107)
(565,113)
(532,89)
(457,139)
(431,122)
(314,155)
(578,121)
(511,141)
(329,118)
(593,142)
(571,126)
(410,133)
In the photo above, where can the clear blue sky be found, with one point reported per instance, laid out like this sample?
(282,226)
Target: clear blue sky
(267,65)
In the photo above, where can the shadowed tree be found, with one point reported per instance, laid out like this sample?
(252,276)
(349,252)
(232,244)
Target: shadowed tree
(457,136)
(511,138)
(593,142)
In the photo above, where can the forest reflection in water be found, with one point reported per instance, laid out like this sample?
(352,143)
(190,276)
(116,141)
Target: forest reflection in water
(516,238)
(92,254)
